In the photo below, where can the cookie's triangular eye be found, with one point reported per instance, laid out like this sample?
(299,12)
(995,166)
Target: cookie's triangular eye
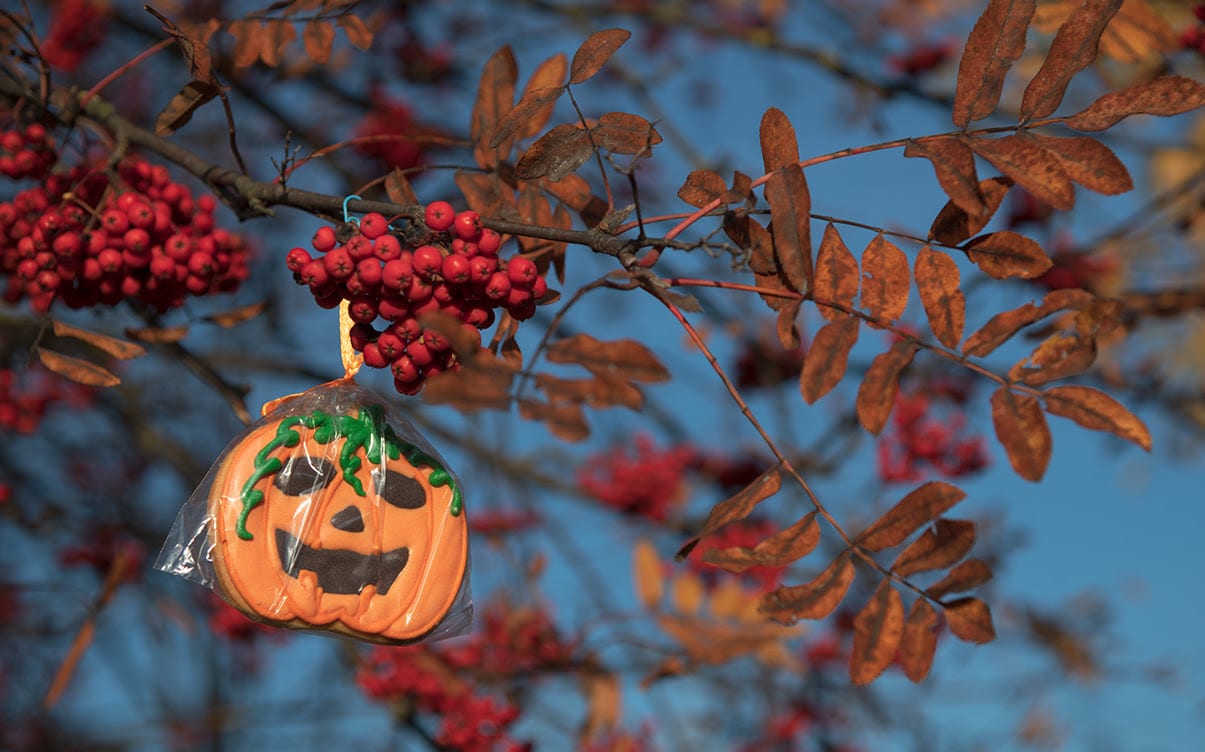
(304,475)
(401,491)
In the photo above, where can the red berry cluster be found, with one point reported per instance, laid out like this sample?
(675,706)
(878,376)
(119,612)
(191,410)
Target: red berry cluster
(469,721)
(229,623)
(731,472)
(495,523)
(639,480)
(917,439)
(27,153)
(510,642)
(922,58)
(102,548)
(390,133)
(764,365)
(456,271)
(1193,37)
(22,405)
(76,28)
(746,534)
(1025,208)
(1075,269)
(85,238)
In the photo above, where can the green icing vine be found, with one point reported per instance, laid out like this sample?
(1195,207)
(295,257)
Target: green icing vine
(367,430)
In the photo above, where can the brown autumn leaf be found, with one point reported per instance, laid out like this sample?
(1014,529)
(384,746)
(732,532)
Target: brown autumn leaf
(702,187)
(1057,357)
(885,280)
(318,35)
(878,628)
(647,572)
(1073,49)
(249,37)
(968,575)
(827,358)
(764,262)
(995,43)
(559,152)
(153,335)
(565,421)
(601,689)
(790,202)
(535,106)
(118,348)
(495,99)
(877,393)
(787,327)
(954,225)
(398,188)
(356,30)
(484,383)
(487,194)
(280,34)
(954,164)
(1032,167)
(236,316)
(687,593)
(812,600)
(594,53)
(621,358)
(77,370)
(784,547)
(1138,32)
(836,279)
(180,109)
(970,620)
(940,546)
(1022,430)
(1164,96)
(1001,327)
(919,641)
(1097,411)
(1006,254)
(1088,162)
(624,133)
(736,507)
(937,281)
(599,392)
(928,502)
(193,41)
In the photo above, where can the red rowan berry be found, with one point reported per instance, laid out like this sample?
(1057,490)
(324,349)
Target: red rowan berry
(481,268)
(408,329)
(522,271)
(359,248)
(419,290)
(373,225)
(393,308)
(397,274)
(369,272)
(518,297)
(137,240)
(163,267)
(436,342)
(539,288)
(141,214)
(489,242)
(338,263)
(202,265)
(110,260)
(391,345)
(442,293)
(314,273)
(387,247)
(420,354)
(404,369)
(439,215)
(499,286)
(362,310)
(467,225)
(296,258)
(430,305)
(179,247)
(324,239)
(522,312)
(479,316)
(427,261)
(91,270)
(132,260)
(361,334)
(373,356)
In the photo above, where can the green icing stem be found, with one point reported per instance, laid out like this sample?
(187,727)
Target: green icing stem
(367,430)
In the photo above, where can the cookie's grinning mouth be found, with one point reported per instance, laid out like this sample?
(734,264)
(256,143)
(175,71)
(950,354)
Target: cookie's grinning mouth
(341,572)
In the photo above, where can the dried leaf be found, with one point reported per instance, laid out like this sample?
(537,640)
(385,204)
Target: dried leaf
(919,641)
(763,260)
(1001,327)
(1088,162)
(812,600)
(1005,254)
(782,548)
(736,507)
(564,421)
(621,358)
(939,547)
(789,199)
(954,225)
(603,709)
(885,280)
(937,281)
(249,37)
(157,335)
(876,395)
(702,187)
(495,99)
(118,348)
(1032,167)
(599,392)
(559,152)
(481,384)
(236,316)
(549,75)
(1097,411)
(968,575)
(827,358)
(877,631)
(319,38)
(922,505)
(1057,357)
(487,194)
(954,163)
(279,35)
(995,43)
(1073,49)
(1138,31)
(836,275)
(77,370)
(595,52)
(1164,96)
(180,109)
(648,575)
(399,190)
(970,620)
(624,133)
(193,43)
(356,30)
(686,594)
(787,328)
(1022,431)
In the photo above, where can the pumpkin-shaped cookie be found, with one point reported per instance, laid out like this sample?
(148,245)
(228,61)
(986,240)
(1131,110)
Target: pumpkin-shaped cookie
(330,520)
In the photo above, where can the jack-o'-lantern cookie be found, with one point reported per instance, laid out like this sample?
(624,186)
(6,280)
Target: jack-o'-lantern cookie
(328,519)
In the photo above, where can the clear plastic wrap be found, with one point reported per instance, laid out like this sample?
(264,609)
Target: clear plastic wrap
(331,513)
